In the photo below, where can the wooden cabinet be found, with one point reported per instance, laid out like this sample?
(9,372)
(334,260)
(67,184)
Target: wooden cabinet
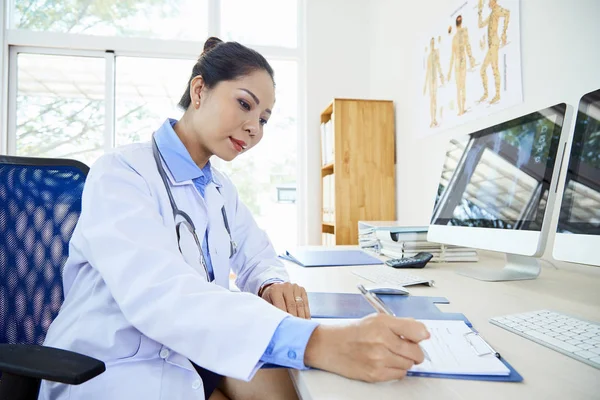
(358,176)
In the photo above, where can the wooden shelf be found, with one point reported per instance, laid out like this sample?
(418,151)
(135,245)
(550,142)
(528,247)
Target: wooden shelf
(326,114)
(327,170)
(363,166)
(328,227)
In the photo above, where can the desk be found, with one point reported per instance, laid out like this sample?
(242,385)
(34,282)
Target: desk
(567,288)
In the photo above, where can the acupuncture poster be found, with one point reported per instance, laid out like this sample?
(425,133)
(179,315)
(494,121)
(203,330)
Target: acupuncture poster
(471,64)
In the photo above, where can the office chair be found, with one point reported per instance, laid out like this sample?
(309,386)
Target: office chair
(40,203)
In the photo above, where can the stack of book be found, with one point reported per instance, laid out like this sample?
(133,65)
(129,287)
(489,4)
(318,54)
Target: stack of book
(329,198)
(327,142)
(391,239)
(373,235)
(327,239)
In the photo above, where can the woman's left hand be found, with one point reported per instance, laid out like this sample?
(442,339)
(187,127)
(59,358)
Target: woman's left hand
(288,297)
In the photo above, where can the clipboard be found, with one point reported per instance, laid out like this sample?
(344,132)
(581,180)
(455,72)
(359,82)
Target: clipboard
(352,305)
(512,376)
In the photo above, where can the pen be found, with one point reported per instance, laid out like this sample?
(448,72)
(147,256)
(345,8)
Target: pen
(494,352)
(381,307)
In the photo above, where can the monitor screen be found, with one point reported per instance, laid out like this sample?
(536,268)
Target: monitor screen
(580,207)
(499,177)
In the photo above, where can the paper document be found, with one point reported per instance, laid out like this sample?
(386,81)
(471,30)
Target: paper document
(454,349)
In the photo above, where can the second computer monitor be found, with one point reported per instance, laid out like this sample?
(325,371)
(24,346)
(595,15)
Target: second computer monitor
(497,190)
(578,231)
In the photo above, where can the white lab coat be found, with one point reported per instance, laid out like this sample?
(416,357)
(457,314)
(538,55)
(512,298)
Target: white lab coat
(132,301)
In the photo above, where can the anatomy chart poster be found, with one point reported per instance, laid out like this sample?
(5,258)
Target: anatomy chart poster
(471,64)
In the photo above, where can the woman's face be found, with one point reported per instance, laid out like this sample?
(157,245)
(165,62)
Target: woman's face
(231,116)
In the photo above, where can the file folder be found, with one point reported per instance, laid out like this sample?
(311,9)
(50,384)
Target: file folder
(329,258)
(353,305)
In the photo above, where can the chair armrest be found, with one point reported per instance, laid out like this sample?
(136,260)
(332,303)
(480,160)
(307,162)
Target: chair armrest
(48,363)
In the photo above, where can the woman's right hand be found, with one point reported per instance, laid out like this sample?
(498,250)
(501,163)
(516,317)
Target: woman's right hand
(376,348)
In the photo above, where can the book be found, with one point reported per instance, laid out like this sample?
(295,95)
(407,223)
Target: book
(394,240)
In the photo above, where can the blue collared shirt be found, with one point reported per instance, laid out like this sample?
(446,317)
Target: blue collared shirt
(289,341)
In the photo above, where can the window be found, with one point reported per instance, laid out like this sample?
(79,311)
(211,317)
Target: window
(173,19)
(60,106)
(147,92)
(90,92)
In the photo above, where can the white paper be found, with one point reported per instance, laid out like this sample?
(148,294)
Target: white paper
(451,352)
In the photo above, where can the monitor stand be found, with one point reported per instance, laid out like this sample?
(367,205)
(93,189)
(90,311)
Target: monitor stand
(517,268)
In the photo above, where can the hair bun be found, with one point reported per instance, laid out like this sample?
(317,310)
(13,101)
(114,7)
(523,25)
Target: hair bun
(210,44)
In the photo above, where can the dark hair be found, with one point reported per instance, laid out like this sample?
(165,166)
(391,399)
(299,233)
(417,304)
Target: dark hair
(459,20)
(224,61)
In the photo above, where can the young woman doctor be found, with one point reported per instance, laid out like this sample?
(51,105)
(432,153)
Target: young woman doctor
(146,281)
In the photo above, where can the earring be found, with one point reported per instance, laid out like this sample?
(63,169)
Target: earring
(197,103)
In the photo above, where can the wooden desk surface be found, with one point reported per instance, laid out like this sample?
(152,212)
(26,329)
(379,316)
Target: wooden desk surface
(567,288)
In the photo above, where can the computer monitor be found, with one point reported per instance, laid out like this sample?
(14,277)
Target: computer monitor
(497,192)
(578,230)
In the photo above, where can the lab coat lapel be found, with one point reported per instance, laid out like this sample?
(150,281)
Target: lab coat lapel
(218,238)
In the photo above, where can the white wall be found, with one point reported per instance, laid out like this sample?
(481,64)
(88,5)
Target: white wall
(560,61)
(337,65)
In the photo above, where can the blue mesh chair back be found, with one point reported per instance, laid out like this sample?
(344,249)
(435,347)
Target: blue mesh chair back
(40,203)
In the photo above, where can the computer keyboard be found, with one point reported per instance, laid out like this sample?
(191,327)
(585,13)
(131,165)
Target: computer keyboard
(571,336)
(381,275)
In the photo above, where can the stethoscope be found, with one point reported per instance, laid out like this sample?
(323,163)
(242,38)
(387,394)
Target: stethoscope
(187,221)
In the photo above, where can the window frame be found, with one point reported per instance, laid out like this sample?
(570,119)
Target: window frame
(109,89)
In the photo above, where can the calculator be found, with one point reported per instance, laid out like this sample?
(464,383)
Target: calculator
(419,260)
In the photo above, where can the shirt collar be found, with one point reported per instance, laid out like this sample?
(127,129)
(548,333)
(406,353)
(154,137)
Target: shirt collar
(177,158)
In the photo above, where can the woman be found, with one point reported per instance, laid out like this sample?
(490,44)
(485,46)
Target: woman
(146,282)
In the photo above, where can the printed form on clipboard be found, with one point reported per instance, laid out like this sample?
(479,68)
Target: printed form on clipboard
(454,349)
